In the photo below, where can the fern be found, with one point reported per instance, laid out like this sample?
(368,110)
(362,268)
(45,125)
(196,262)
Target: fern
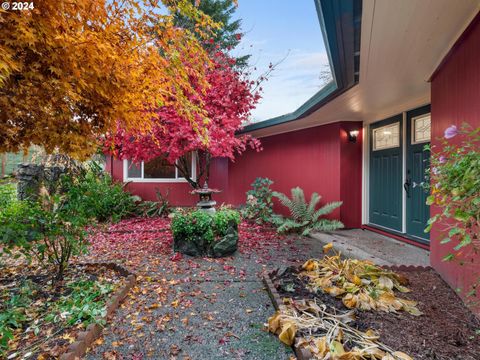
(305,218)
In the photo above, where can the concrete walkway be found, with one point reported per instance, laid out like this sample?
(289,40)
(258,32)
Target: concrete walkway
(368,245)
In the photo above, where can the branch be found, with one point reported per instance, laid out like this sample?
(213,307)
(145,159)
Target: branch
(182,167)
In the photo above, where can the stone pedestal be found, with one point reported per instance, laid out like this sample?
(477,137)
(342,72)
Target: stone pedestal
(51,176)
(30,177)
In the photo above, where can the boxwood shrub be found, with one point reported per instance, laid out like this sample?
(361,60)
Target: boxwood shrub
(198,223)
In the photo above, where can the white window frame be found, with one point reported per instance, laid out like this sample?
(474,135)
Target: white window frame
(383,127)
(178,178)
(412,135)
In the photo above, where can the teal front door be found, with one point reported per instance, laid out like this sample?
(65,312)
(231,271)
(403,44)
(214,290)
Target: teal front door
(398,162)
(385,200)
(418,135)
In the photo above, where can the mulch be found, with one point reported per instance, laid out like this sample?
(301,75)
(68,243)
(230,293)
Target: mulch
(446,331)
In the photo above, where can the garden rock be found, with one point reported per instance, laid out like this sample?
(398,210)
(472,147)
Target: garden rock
(198,246)
(192,247)
(228,244)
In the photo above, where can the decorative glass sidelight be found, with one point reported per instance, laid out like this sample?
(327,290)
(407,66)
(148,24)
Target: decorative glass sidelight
(421,129)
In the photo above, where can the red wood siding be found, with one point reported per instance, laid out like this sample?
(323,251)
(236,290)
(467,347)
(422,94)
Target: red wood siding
(319,159)
(351,175)
(456,99)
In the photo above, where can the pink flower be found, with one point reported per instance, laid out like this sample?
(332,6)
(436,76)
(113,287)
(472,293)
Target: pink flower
(451,132)
(442,159)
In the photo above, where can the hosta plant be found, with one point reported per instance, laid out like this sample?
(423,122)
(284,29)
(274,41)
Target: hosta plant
(305,217)
(359,283)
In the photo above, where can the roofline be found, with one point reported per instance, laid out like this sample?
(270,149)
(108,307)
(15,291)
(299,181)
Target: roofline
(462,34)
(340,22)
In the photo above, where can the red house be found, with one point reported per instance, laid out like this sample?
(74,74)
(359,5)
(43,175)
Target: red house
(403,72)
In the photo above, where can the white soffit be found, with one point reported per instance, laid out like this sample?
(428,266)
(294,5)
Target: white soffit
(402,43)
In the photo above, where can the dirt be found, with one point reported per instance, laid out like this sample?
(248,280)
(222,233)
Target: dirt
(446,331)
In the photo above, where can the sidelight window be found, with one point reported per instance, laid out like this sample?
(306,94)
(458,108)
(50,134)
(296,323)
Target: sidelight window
(421,129)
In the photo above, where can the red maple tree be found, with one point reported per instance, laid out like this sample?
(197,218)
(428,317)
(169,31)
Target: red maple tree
(227,103)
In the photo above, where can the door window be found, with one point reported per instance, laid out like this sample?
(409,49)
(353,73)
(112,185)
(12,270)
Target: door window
(421,129)
(386,137)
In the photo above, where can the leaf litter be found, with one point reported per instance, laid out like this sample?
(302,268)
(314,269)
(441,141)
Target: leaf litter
(329,333)
(359,283)
(171,297)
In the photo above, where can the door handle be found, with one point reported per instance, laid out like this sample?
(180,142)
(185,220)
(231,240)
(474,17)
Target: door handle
(406,186)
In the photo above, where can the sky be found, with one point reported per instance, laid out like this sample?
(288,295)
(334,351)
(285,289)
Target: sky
(285,31)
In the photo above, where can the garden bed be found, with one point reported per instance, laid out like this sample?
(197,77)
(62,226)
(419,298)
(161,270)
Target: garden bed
(46,321)
(447,330)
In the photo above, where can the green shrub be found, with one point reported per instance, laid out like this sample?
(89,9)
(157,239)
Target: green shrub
(52,229)
(192,225)
(8,194)
(96,196)
(455,177)
(21,224)
(198,223)
(259,205)
(48,231)
(304,217)
(63,234)
(222,219)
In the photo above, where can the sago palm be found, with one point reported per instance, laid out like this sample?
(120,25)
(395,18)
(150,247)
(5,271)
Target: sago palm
(304,217)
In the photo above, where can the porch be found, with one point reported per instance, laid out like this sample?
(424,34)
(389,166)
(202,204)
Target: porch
(368,245)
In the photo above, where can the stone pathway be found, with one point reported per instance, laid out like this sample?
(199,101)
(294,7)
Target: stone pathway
(197,308)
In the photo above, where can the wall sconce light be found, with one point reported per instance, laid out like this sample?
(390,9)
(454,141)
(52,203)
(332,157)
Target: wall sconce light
(352,136)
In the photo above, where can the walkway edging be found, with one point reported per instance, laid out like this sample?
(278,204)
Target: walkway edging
(300,353)
(86,338)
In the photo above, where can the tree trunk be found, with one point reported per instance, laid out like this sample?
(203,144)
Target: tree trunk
(203,161)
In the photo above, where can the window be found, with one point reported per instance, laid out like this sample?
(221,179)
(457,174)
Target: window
(156,170)
(421,129)
(386,137)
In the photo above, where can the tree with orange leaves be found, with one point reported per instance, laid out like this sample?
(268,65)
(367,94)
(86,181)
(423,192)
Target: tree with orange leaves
(70,70)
